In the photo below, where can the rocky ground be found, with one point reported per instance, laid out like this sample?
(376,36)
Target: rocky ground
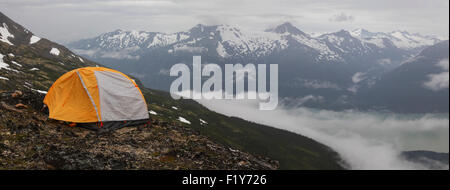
(29,140)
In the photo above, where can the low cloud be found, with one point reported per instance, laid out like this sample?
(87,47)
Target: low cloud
(353,88)
(126,53)
(303,100)
(342,17)
(364,140)
(384,61)
(317,84)
(358,77)
(89,53)
(119,55)
(439,81)
(190,49)
(164,72)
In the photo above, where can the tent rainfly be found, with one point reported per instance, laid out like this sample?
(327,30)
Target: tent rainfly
(104,97)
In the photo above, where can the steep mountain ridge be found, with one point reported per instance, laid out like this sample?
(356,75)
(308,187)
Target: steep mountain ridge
(32,62)
(418,85)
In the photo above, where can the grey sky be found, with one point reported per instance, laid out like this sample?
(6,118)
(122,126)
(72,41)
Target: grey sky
(68,20)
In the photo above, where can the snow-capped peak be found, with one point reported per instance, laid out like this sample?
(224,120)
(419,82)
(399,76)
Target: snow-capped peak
(406,40)
(198,27)
(244,42)
(358,32)
(401,39)
(343,33)
(286,28)
(362,33)
(126,38)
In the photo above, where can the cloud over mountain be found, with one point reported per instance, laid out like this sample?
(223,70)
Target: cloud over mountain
(342,17)
(439,81)
(80,19)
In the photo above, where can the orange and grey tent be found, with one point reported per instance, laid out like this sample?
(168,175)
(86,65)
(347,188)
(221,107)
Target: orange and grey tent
(98,95)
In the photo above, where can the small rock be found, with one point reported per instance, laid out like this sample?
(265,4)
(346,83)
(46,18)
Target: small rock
(21,106)
(242,163)
(10,108)
(70,133)
(17,94)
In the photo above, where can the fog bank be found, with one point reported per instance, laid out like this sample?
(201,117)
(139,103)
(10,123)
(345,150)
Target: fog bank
(365,140)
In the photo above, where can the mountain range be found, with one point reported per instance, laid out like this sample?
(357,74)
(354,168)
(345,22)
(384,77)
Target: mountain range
(236,42)
(337,68)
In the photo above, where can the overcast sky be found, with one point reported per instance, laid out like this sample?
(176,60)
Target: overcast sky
(68,20)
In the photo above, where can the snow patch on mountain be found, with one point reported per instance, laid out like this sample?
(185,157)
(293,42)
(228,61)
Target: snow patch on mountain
(15,63)
(203,122)
(34,39)
(39,91)
(320,46)
(3,65)
(182,119)
(161,40)
(5,34)
(55,51)
(221,50)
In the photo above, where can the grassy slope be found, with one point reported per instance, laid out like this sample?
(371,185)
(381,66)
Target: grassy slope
(291,150)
